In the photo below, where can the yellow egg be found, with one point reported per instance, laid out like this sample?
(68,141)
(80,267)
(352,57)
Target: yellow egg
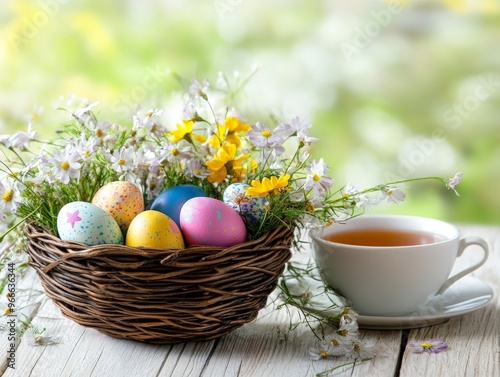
(155,230)
(122,200)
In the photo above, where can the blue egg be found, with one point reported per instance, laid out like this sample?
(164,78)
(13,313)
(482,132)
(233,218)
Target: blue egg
(171,200)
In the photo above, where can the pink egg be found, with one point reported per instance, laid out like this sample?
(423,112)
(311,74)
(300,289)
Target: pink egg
(208,221)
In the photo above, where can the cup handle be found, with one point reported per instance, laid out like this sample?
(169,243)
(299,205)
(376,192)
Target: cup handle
(464,243)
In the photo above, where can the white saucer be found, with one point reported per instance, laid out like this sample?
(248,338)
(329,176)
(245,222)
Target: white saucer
(465,296)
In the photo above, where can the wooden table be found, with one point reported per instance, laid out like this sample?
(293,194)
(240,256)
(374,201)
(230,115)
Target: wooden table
(256,349)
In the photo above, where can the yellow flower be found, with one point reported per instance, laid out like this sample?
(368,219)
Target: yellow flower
(185,131)
(217,139)
(253,166)
(268,186)
(224,163)
(228,132)
(234,126)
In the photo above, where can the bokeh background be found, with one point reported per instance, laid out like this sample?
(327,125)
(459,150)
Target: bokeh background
(395,89)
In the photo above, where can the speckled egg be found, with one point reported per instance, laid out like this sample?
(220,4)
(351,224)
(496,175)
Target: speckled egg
(172,199)
(250,208)
(89,224)
(155,230)
(122,200)
(208,221)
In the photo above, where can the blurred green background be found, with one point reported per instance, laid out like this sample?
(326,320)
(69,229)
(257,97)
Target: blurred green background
(395,89)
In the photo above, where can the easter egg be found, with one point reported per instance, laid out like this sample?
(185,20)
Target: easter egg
(87,223)
(208,221)
(251,208)
(171,200)
(122,200)
(155,230)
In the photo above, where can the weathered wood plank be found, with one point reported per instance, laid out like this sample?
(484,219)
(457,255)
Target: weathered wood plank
(42,360)
(28,296)
(259,349)
(187,359)
(473,339)
(86,352)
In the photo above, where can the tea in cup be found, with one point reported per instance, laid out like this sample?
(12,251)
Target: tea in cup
(389,265)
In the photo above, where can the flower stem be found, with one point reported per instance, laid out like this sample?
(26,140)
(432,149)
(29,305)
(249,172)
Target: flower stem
(19,223)
(417,179)
(325,372)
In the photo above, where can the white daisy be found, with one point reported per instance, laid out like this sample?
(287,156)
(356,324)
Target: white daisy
(66,164)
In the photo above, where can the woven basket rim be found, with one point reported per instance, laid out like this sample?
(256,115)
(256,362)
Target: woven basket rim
(78,250)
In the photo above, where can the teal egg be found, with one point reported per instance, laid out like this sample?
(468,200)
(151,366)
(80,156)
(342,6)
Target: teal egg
(86,223)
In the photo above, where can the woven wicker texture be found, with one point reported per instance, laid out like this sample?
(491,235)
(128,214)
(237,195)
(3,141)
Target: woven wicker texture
(156,295)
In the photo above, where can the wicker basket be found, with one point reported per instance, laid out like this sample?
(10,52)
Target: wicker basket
(159,296)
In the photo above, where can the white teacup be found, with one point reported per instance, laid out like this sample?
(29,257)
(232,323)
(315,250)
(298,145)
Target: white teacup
(391,280)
